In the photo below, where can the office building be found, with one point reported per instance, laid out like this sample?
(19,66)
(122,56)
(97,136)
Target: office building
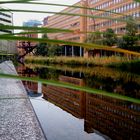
(123,8)
(6,18)
(67,22)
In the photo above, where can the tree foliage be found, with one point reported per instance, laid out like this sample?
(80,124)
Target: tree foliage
(131,28)
(130,38)
(109,37)
(54,50)
(94,38)
(42,48)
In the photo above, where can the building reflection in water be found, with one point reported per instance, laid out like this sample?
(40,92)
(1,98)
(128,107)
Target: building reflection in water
(115,118)
(27,72)
(72,101)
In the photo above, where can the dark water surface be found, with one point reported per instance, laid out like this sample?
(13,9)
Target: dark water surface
(67,114)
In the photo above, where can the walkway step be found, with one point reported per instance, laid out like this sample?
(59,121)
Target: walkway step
(18,120)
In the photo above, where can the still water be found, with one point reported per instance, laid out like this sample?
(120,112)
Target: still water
(67,114)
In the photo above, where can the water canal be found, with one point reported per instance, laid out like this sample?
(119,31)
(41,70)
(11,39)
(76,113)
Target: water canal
(67,114)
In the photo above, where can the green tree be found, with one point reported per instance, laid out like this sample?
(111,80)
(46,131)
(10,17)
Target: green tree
(131,27)
(54,50)
(94,38)
(42,48)
(109,37)
(130,38)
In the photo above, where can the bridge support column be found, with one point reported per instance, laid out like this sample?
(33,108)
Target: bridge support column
(39,90)
(80,51)
(65,50)
(72,51)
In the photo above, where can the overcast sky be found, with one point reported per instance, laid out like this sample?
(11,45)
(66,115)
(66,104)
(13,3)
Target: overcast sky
(19,18)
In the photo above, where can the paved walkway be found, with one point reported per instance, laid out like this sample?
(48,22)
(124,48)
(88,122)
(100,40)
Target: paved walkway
(17,118)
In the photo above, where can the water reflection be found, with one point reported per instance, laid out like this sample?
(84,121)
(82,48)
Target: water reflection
(33,89)
(97,77)
(115,118)
(103,116)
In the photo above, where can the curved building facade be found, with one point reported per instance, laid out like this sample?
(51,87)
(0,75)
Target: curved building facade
(6,18)
(7,46)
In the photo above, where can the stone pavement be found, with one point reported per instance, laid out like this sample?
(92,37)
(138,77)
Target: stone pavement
(17,117)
